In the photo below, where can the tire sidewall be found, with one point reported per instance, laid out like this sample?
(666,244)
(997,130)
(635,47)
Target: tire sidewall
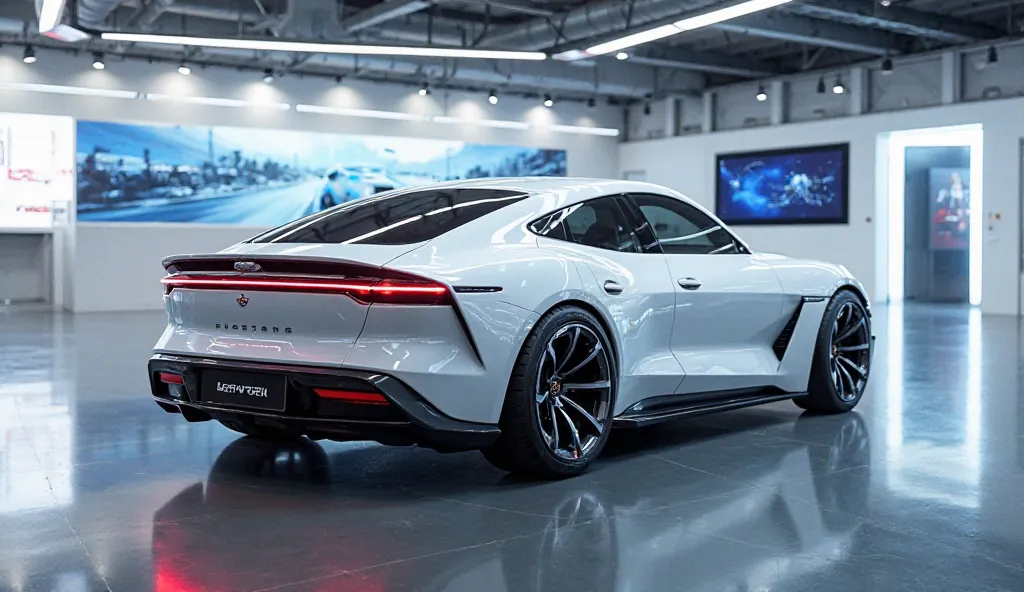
(822,378)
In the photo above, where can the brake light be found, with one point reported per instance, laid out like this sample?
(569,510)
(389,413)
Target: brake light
(369,291)
(168,378)
(352,396)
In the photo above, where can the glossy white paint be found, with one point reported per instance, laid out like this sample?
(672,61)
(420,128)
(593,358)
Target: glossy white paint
(723,330)
(666,339)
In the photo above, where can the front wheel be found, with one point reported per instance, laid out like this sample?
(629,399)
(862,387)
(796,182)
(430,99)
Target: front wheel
(842,357)
(557,411)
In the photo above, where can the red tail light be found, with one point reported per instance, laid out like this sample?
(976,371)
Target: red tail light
(369,291)
(168,378)
(352,396)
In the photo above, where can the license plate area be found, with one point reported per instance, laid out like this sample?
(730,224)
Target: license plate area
(252,390)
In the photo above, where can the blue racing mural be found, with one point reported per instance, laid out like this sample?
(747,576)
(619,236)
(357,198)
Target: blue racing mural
(260,177)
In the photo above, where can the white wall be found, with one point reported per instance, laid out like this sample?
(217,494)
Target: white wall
(688,165)
(115,267)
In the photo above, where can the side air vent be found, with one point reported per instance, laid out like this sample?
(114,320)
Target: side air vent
(782,341)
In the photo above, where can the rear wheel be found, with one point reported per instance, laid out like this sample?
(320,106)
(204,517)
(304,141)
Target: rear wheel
(558,406)
(842,357)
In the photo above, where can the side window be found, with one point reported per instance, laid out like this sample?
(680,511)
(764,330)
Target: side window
(599,223)
(683,229)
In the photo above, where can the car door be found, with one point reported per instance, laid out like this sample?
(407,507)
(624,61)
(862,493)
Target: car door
(631,284)
(728,301)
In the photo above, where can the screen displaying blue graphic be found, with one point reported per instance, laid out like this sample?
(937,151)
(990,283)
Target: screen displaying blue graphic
(793,186)
(261,177)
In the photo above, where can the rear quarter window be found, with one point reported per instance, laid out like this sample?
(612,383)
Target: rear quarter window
(398,218)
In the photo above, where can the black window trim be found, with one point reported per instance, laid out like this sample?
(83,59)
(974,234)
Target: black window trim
(740,246)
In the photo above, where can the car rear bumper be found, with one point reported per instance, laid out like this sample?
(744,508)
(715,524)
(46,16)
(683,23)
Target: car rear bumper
(406,419)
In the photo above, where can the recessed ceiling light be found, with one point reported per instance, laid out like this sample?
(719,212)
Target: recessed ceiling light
(622,56)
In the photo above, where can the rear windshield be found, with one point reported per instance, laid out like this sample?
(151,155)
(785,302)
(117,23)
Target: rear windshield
(395,218)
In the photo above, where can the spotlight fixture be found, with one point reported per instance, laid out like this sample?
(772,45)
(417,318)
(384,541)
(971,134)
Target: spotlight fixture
(885,3)
(993,55)
(183,68)
(761,94)
(97,61)
(29,56)
(591,102)
(268,76)
(838,88)
(821,85)
(424,90)
(622,56)
(493,97)
(887,66)
(548,101)
(647,107)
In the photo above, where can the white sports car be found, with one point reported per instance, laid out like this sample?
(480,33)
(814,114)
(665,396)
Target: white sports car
(521,317)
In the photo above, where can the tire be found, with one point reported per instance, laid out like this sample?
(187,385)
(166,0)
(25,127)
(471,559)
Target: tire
(256,431)
(538,428)
(843,350)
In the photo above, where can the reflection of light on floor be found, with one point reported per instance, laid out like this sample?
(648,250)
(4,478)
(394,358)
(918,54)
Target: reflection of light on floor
(34,425)
(923,469)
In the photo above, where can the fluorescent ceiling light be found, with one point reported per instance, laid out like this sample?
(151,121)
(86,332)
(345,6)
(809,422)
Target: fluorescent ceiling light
(334,48)
(583,129)
(50,14)
(70,90)
(359,112)
(686,24)
(499,123)
(218,102)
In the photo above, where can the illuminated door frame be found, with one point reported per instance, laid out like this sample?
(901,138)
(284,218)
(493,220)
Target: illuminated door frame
(971,136)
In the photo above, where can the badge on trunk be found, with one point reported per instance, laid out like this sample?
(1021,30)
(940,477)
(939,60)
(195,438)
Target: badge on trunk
(242,300)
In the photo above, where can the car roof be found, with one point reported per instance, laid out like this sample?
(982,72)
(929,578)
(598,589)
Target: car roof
(575,188)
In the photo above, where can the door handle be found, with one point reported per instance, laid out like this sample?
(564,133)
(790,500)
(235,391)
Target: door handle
(689,284)
(612,287)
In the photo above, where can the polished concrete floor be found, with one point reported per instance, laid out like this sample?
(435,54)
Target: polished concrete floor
(922,488)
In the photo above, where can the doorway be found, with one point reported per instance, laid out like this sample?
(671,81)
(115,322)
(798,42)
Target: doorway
(934,243)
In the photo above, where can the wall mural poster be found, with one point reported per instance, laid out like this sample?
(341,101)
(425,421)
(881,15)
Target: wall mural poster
(261,177)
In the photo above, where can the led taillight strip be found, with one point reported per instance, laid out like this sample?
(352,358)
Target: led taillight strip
(369,290)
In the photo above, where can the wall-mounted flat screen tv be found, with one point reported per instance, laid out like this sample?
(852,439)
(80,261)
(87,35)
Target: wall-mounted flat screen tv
(806,185)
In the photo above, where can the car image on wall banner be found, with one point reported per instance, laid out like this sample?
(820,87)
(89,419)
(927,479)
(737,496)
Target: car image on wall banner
(263,177)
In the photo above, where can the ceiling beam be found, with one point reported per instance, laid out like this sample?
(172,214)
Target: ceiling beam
(684,59)
(810,31)
(382,12)
(899,20)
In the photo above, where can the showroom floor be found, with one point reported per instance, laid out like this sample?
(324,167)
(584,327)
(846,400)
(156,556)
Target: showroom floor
(921,489)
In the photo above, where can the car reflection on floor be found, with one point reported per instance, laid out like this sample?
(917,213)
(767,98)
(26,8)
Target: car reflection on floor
(259,519)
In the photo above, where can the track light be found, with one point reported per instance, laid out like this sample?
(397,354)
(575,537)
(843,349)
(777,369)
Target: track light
(268,76)
(647,107)
(30,55)
(493,97)
(591,102)
(761,94)
(424,90)
(887,66)
(821,85)
(183,68)
(885,3)
(548,101)
(97,61)
(622,56)
(838,89)
(993,55)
